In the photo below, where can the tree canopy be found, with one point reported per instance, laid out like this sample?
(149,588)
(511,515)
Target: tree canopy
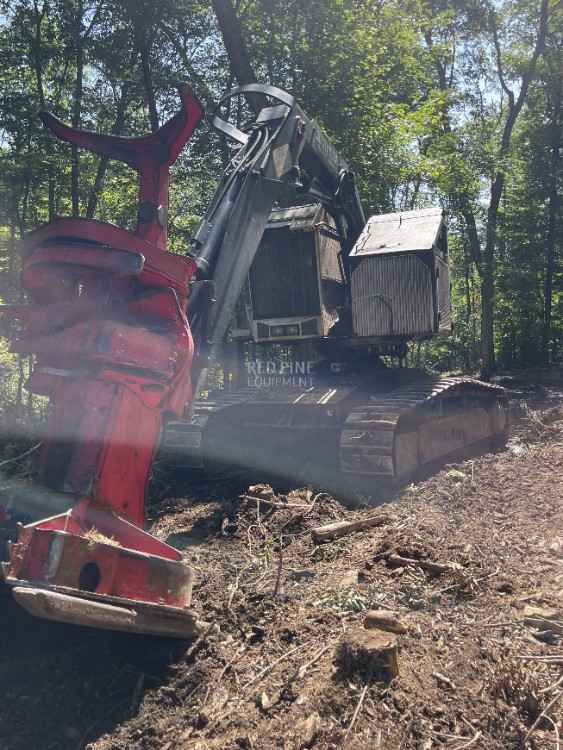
(433,102)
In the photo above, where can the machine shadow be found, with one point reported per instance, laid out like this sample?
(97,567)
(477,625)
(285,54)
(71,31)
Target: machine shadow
(64,686)
(220,495)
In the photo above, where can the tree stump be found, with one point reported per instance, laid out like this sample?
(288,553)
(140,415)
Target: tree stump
(370,654)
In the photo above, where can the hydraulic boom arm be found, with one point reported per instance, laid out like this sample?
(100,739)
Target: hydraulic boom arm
(281,147)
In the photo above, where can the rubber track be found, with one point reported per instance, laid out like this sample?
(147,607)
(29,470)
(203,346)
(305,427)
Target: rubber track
(185,439)
(368,440)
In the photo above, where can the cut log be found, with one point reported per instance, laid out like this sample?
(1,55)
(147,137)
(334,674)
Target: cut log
(437,569)
(342,528)
(372,654)
(544,618)
(383,619)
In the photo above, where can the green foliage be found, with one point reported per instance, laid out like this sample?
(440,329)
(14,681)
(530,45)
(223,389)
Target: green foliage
(409,90)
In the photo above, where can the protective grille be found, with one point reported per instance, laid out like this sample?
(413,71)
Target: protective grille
(283,278)
(393,295)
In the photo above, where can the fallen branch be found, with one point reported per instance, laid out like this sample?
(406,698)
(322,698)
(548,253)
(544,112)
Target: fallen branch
(472,741)
(551,659)
(342,528)
(272,504)
(398,561)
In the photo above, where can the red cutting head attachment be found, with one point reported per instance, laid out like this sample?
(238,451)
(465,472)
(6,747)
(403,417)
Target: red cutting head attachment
(151,155)
(108,328)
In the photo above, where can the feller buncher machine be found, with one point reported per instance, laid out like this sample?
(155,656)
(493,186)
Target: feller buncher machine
(113,322)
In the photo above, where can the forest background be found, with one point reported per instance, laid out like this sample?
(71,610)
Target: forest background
(443,102)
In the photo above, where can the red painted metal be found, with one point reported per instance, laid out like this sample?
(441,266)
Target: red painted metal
(114,350)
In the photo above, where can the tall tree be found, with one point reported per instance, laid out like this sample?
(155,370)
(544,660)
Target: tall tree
(508,69)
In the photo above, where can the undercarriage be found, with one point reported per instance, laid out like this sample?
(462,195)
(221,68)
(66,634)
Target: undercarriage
(342,433)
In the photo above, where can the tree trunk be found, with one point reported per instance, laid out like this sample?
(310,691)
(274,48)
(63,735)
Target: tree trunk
(550,246)
(147,80)
(104,160)
(231,31)
(77,108)
(488,280)
(52,194)
(22,221)
(515,104)
(487,317)
(12,244)
(36,52)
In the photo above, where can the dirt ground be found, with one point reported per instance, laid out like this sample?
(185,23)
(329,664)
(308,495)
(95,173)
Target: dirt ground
(476,670)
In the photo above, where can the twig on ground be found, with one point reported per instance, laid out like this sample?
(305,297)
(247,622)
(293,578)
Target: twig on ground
(556,730)
(229,664)
(549,688)
(443,680)
(543,715)
(314,501)
(277,587)
(206,696)
(249,537)
(234,589)
(234,586)
(196,645)
(472,741)
(537,621)
(549,659)
(427,565)
(271,666)
(356,712)
(136,697)
(303,669)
